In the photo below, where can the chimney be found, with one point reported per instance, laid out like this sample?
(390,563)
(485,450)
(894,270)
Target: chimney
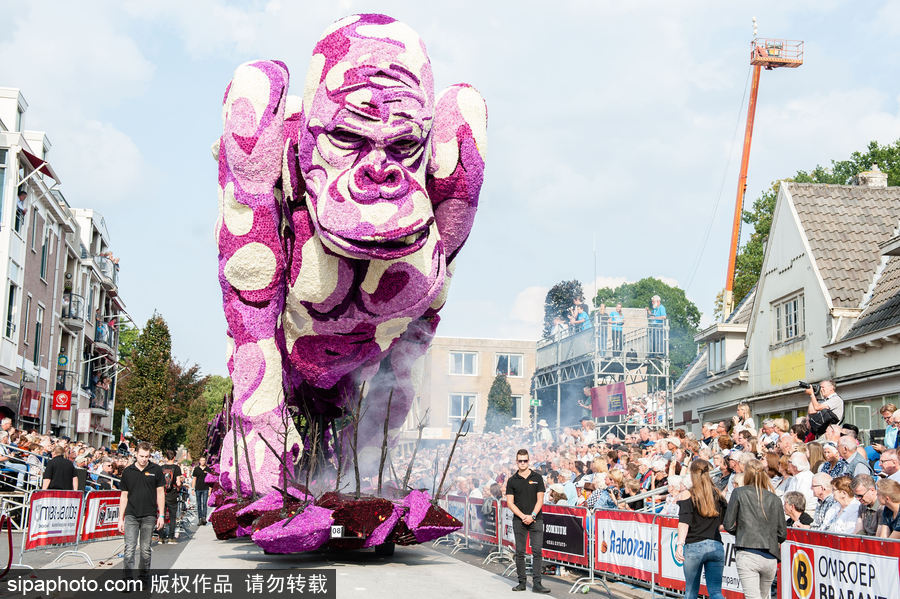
(872,178)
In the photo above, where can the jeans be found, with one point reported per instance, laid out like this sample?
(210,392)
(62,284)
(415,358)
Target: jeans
(168,531)
(138,529)
(756,573)
(536,531)
(20,469)
(705,555)
(202,500)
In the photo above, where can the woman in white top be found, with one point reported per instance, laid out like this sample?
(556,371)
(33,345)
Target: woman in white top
(743,421)
(844,520)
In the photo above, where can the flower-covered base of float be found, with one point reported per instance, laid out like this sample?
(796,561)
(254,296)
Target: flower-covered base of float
(303,525)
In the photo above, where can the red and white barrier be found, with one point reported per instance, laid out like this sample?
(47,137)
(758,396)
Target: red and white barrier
(53,518)
(101,515)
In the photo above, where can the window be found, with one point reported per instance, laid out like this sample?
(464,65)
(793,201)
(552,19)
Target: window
(790,318)
(27,316)
(44,250)
(38,324)
(459,405)
(19,221)
(510,364)
(517,409)
(2,177)
(717,356)
(34,221)
(11,309)
(464,363)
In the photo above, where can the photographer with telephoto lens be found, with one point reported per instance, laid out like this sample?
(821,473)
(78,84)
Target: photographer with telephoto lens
(825,413)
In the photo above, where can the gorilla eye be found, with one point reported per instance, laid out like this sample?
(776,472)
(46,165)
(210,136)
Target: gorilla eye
(405,146)
(345,139)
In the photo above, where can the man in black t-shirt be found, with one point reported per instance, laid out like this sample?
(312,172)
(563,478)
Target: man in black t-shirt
(201,488)
(59,475)
(141,508)
(525,497)
(174,480)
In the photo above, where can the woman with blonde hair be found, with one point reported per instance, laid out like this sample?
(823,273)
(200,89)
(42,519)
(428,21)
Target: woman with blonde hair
(700,546)
(755,516)
(816,455)
(743,421)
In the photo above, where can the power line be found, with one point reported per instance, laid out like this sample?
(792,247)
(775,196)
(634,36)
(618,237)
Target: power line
(721,185)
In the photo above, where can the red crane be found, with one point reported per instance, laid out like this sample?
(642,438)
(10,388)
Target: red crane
(770,53)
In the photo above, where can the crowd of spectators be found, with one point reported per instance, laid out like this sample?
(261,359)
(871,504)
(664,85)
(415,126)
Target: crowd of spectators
(831,484)
(26,455)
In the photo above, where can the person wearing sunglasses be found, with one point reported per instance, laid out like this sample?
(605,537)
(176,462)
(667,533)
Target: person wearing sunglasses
(525,497)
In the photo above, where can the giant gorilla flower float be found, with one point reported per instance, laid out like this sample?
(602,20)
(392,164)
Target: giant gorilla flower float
(340,215)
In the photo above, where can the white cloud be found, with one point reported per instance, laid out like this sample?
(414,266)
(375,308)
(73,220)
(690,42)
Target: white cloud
(100,161)
(529,305)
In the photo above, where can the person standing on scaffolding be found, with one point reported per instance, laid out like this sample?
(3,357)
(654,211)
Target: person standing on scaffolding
(656,320)
(525,497)
(615,325)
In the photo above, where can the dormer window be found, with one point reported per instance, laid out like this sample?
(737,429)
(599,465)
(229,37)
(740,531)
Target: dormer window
(790,318)
(716,356)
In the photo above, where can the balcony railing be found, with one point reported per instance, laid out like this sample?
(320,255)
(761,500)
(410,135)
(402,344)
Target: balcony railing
(108,269)
(104,334)
(72,306)
(634,339)
(66,380)
(100,400)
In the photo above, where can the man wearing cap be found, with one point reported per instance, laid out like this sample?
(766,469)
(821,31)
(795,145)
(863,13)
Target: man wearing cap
(544,433)
(525,497)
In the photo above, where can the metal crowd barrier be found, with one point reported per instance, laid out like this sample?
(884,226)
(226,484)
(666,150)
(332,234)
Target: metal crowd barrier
(638,548)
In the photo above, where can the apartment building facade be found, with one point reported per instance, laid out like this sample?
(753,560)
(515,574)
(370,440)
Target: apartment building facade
(457,373)
(60,295)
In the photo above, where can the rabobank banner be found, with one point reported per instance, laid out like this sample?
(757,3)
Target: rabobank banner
(671,573)
(627,543)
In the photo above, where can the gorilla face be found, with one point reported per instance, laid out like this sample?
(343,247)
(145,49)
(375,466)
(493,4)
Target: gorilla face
(372,150)
(364,144)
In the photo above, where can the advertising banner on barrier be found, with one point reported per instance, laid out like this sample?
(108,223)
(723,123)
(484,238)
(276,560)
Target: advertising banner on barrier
(507,536)
(101,515)
(626,543)
(821,566)
(456,506)
(52,518)
(671,571)
(565,534)
(481,526)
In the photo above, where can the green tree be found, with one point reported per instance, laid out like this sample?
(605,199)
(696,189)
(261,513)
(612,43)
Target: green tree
(128,336)
(203,409)
(144,387)
(683,315)
(500,405)
(185,389)
(748,264)
(558,301)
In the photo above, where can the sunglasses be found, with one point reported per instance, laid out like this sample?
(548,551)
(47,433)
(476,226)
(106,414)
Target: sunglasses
(860,495)
(522,461)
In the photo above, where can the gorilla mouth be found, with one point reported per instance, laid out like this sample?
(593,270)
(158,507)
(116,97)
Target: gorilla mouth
(385,249)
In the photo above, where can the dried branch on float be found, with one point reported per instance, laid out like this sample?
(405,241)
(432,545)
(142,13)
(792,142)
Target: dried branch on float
(459,434)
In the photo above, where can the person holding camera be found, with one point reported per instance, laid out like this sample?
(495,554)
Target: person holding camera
(825,413)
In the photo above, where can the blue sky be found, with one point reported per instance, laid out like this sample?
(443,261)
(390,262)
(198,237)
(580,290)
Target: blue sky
(610,123)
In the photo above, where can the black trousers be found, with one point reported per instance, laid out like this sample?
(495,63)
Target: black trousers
(536,531)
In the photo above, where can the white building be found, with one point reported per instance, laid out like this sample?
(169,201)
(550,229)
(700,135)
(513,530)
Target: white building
(59,294)
(825,306)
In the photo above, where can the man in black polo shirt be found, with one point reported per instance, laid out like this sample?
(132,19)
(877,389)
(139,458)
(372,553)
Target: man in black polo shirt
(59,475)
(141,508)
(525,497)
(201,488)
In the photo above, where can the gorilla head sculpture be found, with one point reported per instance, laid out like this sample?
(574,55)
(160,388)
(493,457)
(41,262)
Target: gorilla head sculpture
(341,214)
